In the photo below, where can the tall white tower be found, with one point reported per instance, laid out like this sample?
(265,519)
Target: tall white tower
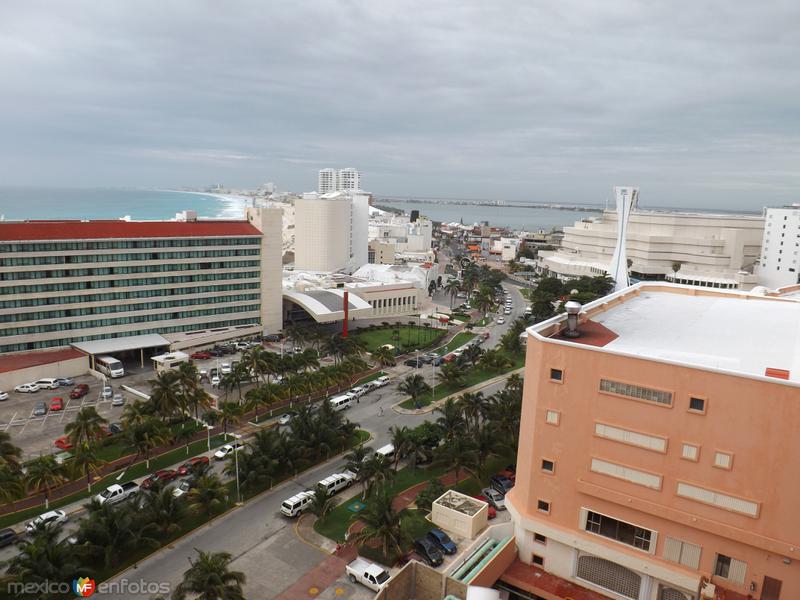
(627,199)
(779,264)
(326,181)
(348,179)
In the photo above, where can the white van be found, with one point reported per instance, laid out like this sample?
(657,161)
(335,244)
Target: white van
(48,383)
(297,504)
(341,402)
(337,482)
(386,452)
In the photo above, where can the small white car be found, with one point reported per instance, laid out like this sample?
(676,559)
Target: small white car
(27,388)
(382,381)
(225,368)
(227,449)
(215,381)
(107,393)
(359,391)
(3,396)
(118,399)
(181,489)
(48,383)
(500,320)
(48,519)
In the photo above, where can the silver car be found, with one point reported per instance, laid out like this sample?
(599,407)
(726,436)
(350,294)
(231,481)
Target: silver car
(40,409)
(118,399)
(106,393)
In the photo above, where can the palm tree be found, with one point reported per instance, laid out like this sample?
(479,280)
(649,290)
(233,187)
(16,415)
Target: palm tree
(161,512)
(504,416)
(459,454)
(9,453)
(451,374)
(184,434)
(208,496)
(322,504)
(451,420)
(356,458)
(376,469)
(451,288)
(86,427)
(209,578)
(473,405)
(263,395)
(384,356)
(110,532)
(382,523)
(87,462)
(494,360)
(43,558)
(11,485)
(136,413)
(230,413)
(472,353)
(414,386)
(165,397)
(401,437)
(145,436)
(44,473)
(486,443)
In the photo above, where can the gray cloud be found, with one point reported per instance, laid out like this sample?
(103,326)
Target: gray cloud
(542,101)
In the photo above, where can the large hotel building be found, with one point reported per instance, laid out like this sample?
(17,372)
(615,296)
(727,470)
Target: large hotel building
(658,457)
(66,282)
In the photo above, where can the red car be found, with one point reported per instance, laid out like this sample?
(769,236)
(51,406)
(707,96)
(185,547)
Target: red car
(56,404)
(63,443)
(190,465)
(492,512)
(201,355)
(161,476)
(79,391)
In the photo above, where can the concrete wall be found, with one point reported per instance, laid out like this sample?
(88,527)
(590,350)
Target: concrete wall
(269,222)
(322,233)
(501,561)
(65,368)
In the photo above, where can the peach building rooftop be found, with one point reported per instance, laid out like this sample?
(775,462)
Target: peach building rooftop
(726,331)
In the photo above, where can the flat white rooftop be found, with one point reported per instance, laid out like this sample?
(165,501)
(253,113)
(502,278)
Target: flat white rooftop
(720,331)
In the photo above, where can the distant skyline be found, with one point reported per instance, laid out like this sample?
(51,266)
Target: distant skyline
(696,104)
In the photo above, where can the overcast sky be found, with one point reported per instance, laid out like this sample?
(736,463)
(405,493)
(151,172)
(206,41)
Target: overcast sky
(695,102)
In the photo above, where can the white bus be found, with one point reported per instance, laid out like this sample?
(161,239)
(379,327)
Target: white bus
(109,365)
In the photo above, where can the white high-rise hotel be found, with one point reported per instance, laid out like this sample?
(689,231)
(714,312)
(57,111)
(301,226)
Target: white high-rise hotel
(779,264)
(331,180)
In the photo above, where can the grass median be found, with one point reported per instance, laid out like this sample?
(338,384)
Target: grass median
(411,337)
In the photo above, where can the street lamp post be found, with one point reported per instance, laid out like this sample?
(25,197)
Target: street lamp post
(236,462)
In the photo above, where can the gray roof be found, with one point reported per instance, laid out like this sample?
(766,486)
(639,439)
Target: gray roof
(120,344)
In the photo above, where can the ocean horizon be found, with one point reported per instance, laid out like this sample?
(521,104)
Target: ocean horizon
(36,203)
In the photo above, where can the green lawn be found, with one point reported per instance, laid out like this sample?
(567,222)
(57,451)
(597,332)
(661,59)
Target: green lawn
(459,340)
(461,317)
(411,337)
(473,376)
(483,322)
(369,378)
(138,470)
(118,447)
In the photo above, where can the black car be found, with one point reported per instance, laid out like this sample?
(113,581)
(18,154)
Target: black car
(412,362)
(216,352)
(115,428)
(501,483)
(7,537)
(228,349)
(428,552)
(273,337)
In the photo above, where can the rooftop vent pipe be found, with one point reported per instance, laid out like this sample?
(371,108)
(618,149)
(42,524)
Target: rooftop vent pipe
(572,308)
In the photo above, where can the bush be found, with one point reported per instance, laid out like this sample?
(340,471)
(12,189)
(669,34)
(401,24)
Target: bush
(426,497)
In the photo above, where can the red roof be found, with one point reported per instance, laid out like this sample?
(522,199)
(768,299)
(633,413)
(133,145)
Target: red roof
(14,362)
(79,230)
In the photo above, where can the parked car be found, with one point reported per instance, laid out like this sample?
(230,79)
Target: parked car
(190,465)
(63,443)
(359,391)
(228,449)
(215,381)
(118,399)
(225,368)
(492,512)
(162,476)
(201,355)
(501,483)
(27,388)
(3,396)
(117,493)
(7,537)
(40,409)
(228,349)
(65,381)
(412,362)
(500,320)
(79,391)
(507,311)
(216,352)
(494,498)
(287,417)
(48,519)
(272,337)
(56,404)
(428,552)
(47,383)
(442,540)
(368,574)
(509,473)
(382,381)
(183,488)
(115,428)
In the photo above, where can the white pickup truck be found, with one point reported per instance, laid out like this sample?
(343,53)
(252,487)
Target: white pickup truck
(368,574)
(117,493)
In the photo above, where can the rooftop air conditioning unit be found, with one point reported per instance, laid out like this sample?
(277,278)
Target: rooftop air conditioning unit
(707,591)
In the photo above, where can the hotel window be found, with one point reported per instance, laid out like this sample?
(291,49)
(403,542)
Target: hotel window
(543,506)
(637,392)
(538,560)
(552,417)
(682,552)
(548,466)
(697,405)
(620,531)
(690,452)
(730,568)
(539,538)
(556,375)
(723,460)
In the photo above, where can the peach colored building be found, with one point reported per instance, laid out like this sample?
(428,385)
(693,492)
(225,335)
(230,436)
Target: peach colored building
(659,455)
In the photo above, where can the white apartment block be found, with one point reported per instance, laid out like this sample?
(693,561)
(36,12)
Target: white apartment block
(331,231)
(331,180)
(714,250)
(408,238)
(780,265)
